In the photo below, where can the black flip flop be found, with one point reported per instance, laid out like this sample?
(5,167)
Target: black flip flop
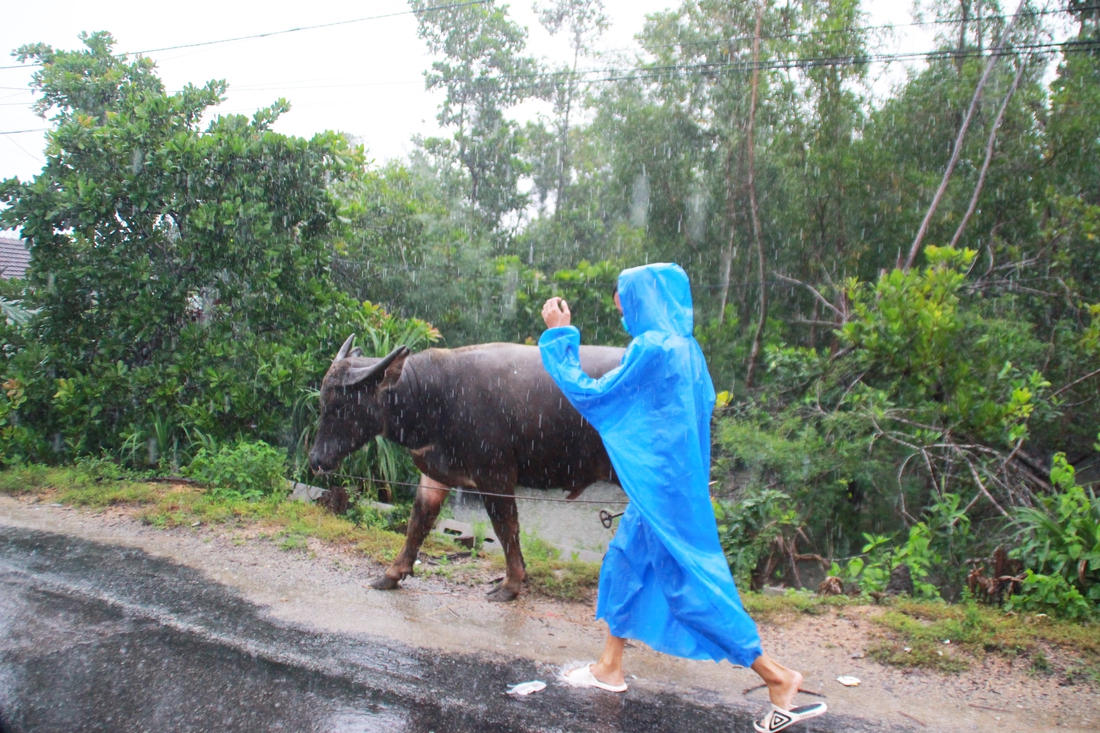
(779,719)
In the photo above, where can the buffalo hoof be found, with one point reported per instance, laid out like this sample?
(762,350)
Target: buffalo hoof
(384,582)
(503,594)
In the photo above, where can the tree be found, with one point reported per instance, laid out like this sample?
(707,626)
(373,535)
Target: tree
(179,270)
(585,22)
(483,74)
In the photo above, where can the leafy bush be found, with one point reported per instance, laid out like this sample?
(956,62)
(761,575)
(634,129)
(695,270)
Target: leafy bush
(1060,542)
(364,513)
(749,529)
(871,570)
(207,305)
(1051,594)
(918,409)
(253,470)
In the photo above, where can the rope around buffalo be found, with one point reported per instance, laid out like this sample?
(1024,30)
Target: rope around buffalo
(464,490)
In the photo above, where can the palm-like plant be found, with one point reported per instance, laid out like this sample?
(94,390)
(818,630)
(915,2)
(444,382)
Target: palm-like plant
(1061,536)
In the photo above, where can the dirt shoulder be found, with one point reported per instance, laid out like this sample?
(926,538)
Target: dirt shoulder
(323,586)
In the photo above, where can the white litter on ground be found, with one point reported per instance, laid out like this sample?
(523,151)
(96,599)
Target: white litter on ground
(526,688)
(848,681)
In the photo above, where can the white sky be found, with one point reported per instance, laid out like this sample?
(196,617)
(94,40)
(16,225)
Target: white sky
(362,78)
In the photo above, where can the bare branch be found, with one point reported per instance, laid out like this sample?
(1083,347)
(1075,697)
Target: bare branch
(989,149)
(820,298)
(957,151)
(757,236)
(978,480)
(1075,382)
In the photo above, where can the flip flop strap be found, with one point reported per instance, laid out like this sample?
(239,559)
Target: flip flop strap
(778,719)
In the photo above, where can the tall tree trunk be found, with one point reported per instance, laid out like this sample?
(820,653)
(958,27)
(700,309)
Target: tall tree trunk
(994,55)
(989,152)
(757,236)
(726,257)
(978,33)
(965,4)
(563,163)
(726,260)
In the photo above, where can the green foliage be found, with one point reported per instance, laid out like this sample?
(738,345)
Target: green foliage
(165,506)
(749,528)
(871,569)
(1059,542)
(1051,594)
(866,441)
(365,513)
(250,470)
(588,289)
(483,74)
(186,289)
(535,548)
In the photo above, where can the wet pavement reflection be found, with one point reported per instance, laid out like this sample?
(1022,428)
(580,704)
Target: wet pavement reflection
(97,637)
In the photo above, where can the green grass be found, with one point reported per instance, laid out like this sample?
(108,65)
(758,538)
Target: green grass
(976,631)
(771,609)
(916,631)
(551,576)
(172,505)
(566,580)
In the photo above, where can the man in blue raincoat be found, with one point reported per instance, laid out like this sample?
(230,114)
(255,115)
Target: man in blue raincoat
(664,579)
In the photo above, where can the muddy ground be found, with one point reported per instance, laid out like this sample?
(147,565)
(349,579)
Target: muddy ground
(323,588)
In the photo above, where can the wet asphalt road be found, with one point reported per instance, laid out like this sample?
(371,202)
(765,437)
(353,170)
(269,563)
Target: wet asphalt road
(97,637)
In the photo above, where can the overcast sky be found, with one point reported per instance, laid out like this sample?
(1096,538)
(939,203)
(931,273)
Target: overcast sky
(364,78)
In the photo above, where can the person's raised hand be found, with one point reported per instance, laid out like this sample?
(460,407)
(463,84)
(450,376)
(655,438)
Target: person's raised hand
(555,312)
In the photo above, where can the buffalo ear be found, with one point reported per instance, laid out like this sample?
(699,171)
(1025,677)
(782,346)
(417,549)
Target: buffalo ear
(393,371)
(355,352)
(380,371)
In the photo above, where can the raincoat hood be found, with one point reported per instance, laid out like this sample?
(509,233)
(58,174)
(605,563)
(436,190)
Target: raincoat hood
(656,297)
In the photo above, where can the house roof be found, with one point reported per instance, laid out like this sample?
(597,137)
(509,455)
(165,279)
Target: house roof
(14,257)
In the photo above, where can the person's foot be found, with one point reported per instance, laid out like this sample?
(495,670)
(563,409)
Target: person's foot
(609,676)
(783,689)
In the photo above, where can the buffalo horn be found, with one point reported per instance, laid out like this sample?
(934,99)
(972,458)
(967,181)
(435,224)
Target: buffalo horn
(343,352)
(355,375)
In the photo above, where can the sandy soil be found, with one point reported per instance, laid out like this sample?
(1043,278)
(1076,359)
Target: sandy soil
(324,587)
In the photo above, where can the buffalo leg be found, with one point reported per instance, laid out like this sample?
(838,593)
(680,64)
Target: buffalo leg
(505,517)
(430,496)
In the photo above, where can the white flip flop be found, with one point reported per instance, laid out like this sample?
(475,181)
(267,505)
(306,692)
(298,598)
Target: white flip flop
(779,719)
(583,677)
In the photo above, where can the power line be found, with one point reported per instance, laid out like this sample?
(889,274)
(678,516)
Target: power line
(849,29)
(647,72)
(659,72)
(475,2)
(315,27)
(854,29)
(288,30)
(19,132)
(29,153)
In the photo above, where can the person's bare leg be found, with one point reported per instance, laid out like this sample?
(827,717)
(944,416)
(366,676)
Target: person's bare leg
(782,683)
(609,670)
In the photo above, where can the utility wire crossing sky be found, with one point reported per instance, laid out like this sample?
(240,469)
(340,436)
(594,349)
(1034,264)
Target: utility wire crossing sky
(318,66)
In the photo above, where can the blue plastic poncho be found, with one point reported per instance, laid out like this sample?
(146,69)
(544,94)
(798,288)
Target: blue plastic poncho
(664,578)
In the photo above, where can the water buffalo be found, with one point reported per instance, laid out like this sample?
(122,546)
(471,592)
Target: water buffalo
(483,417)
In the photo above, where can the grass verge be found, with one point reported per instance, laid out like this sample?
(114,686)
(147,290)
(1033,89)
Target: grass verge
(775,609)
(919,632)
(290,523)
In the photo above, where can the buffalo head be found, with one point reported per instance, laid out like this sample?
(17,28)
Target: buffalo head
(352,409)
